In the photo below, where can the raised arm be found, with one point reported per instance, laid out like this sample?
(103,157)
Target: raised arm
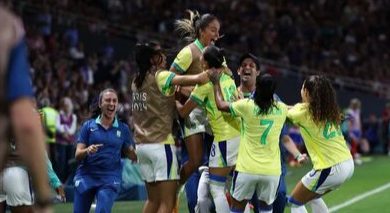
(186,109)
(190,80)
(221,103)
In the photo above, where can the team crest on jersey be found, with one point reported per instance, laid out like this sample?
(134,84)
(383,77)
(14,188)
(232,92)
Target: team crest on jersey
(118,133)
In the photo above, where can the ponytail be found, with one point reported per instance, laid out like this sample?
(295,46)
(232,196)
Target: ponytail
(189,29)
(143,56)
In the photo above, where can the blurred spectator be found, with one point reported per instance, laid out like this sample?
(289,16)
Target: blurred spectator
(335,37)
(44,20)
(371,132)
(49,120)
(354,128)
(77,52)
(72,35)
(386,129)
(67,124)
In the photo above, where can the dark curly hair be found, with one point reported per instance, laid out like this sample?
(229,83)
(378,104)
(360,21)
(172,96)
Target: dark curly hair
(322,100)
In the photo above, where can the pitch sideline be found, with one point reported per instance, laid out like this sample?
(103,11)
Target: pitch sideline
(359,197)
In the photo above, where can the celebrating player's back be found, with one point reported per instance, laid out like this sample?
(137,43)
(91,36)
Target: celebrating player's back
(258,165)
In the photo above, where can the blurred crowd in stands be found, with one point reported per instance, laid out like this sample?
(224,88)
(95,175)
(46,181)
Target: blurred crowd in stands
(348,38)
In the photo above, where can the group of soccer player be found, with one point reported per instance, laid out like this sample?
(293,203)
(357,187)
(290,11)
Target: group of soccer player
(246,125)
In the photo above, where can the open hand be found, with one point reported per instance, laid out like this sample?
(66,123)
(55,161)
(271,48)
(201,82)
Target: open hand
(60,192)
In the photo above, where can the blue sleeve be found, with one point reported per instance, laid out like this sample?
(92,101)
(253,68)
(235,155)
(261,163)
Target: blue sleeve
(83,134)
(53,179)
(19,82)
(128,137)
(284,130)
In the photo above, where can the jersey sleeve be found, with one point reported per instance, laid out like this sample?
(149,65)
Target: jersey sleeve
(19,80)
(83,134)
(297,113)
(164,82)
(183,60)
(128,137)
(284,130)
(53,178)
(200,93)
(237,108)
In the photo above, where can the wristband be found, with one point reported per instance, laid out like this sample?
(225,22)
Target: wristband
(298,156)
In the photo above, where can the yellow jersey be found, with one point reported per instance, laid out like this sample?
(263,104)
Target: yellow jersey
(325,143)
(259,151)
(223,125)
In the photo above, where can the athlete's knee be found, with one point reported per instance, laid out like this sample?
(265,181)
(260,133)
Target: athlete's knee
(105,200)
(195,162)
(192,165)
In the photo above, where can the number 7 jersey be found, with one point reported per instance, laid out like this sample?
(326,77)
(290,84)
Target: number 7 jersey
(325,144)
(259,151)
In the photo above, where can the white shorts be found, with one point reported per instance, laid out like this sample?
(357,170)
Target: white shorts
(245,185)
(15,187)
(158,162)
(224,153)
(322,181)
(196,122)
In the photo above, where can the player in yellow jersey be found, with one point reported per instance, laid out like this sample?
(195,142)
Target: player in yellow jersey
(153,113)
(200,31)
(223,153)
(248,71)
(258,167)
(319,118)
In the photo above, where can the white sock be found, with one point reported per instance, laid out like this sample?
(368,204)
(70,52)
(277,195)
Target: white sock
(318,206)
(298,209)
(217,189)
(204,200)
(247,208)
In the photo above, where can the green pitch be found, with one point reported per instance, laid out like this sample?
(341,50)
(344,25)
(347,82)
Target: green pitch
(374,173)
